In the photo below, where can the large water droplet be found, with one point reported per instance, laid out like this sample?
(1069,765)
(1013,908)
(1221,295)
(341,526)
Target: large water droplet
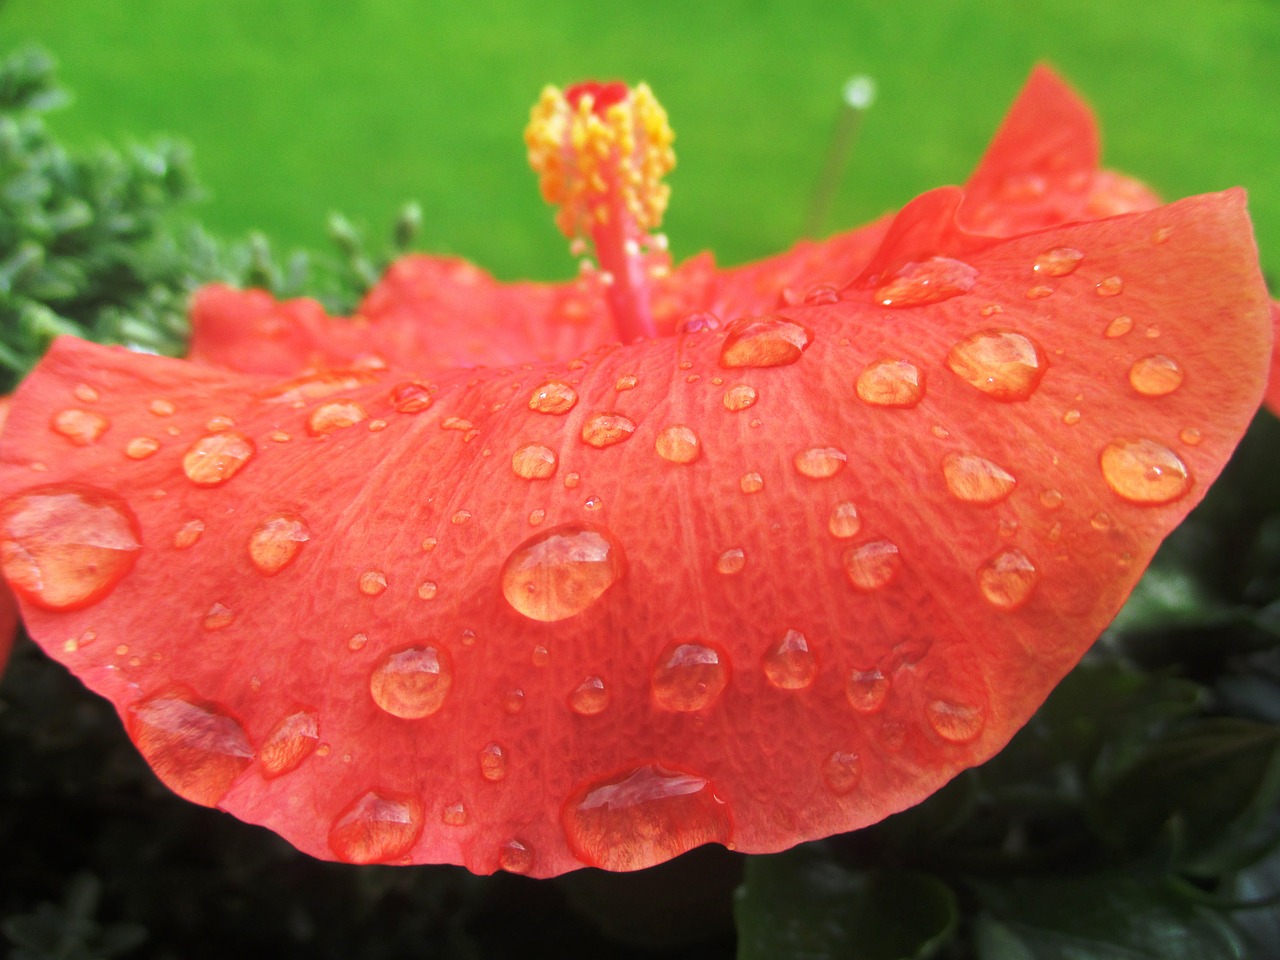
(333,416)
(929,281)
(890,383)
(606,429)
(873,565)
(1058,262)
(678,444)
(553,397)
(842,771)
(79,427)
(410,397)
(689,676)
(844,522)
(216,458)
(589,697)
(740,396)
(974,479)
(1007,579)
(1004,365)
(820,463)
(376,828)
(561,572)
(1143,471)
(412,683)
(534,462)
(642,817)
(763,342)
(867,690)
(1155,375)
(193,745)
(956,722)
(790,664)
(276,542)
(493,762)
(64,548)
(290,742)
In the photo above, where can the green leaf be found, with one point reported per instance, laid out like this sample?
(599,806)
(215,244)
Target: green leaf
(804,905)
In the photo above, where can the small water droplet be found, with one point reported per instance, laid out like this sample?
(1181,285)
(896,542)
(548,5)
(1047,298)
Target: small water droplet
(589,697)
(821,295)
(335,415)
(1109,287)
(188,535)
(454,815)
(1051,499)
(412,683)
(429,544)
(731,561)
(1101,522)
(572,479)
(493,762)
(193,745)
(534,462)
(79,427)
(1058,262)
(561,572)
(1155,375)
(955,722)
(689,676)
(890,383)
(771,341)
(820,463)
(790,664)
(1118,327)
(678,444)
(460,517)
(219,617)
(1008,579)
(513,702)
(739,396)
(66,548)
(842,771)
(627,382)
(974,479)
(867,690)
(276,542)
(427,590)
(606,429)
(751,483)
(872,565)
(1191,436)
(216,458)
(357,642)
(372,582)
(1004,365)
(1071,417)
(139,448)
(410,397)
(925,282)
(290,742)
(1039,292)
(540,656)
(515,857)
(537,516)
(1152,332)
(376,828)
(1144,472)
(553,397)
(643,816)
(162,408)
(844,522)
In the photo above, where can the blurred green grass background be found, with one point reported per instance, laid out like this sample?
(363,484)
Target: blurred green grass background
(299,108)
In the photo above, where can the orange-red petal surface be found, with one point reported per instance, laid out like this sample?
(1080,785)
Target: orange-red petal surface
(420,616)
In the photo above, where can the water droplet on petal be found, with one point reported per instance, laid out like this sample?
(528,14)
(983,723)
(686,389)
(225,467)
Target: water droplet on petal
(534,462)
(872,565)
(751,483)
(821,295)
(427,590)
(553,397)
(454,815)
(642,817)
(1007,579)
(335,415)
(410,397)
(219,617)
(1052,499)
(820,463)
(842,771)
(413,683)
(1109,287)
(290,742)
(188,535)
(1058,262)
(867,690)
(65,548)
(956,722)
(193,745)
(1145,472)
(513,702)
(589,697)
(372,583)
(493,762)
(561,572)
(929,281)
(844,522)
(276,542)
(624,383)
(216,458)
(771,341)
(1155,375)
(890,383)
(79,427)
(1004,365)
(974,479)
(162,408)
(689,676)
(790,664)
(731,561)
(376,828)
(739,397)
(1039,292)
(1118,327)
(515,857)
(1191,437)
(606,429)
(139,448)
(678,444)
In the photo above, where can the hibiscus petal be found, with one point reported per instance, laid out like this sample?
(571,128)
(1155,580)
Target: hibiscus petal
(785,602)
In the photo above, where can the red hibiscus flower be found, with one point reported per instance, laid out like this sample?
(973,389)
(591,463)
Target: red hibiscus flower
(464,579)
